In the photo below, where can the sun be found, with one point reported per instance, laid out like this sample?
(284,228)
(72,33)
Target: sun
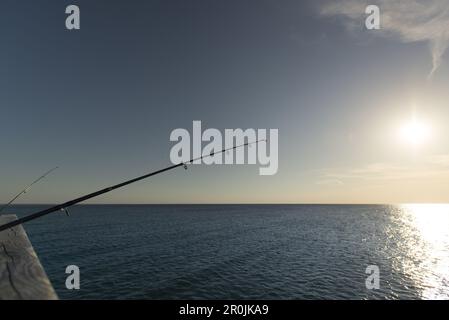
(415,132)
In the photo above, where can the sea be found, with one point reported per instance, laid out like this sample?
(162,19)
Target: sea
(246,251)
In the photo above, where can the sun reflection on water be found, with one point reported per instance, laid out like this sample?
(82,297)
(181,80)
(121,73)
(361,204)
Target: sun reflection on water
(431,221)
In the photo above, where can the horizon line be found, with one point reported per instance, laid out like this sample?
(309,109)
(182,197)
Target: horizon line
(229,203)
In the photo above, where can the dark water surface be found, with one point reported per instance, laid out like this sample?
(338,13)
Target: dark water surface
(245,251)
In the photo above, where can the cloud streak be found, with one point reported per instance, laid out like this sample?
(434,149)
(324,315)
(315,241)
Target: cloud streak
(408,20)
(430,167)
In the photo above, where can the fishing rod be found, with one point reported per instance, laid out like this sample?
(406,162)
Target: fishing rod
(70,203)
(28,187)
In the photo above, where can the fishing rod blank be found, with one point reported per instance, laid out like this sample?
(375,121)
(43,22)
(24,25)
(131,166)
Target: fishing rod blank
(70,203)
(27,188)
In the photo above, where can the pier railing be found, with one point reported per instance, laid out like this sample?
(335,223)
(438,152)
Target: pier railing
(22,276)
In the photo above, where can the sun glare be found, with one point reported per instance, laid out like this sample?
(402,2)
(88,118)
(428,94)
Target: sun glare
(415,132)
(431,273)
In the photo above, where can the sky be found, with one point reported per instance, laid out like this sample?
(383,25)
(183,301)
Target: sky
(101,102)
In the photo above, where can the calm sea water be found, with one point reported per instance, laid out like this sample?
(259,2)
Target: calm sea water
(246,251)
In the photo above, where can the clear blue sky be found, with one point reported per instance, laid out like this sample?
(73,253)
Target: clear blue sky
(101,102)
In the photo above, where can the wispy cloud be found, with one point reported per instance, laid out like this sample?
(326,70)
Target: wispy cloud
(407,20)
(330,182)
(432,166)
